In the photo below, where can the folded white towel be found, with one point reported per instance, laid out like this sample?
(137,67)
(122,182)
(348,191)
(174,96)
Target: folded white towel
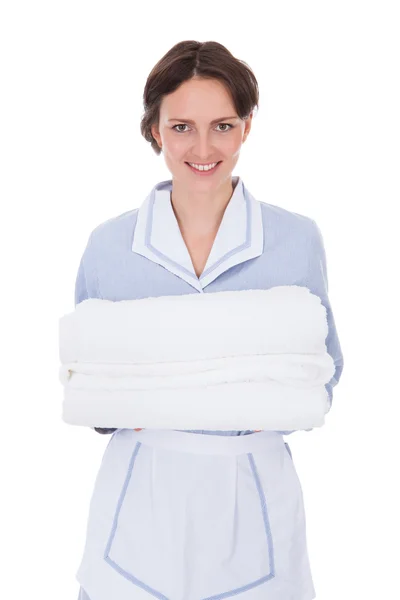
(251,359)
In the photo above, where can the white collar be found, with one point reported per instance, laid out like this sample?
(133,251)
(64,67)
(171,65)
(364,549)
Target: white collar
(157,235)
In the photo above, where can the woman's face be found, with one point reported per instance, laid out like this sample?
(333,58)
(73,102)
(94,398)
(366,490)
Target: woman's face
(199,124)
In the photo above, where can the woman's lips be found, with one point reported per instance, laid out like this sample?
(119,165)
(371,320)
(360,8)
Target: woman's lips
(204,173)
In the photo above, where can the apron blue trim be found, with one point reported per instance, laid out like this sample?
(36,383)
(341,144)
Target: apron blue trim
(159,595)
(289,450)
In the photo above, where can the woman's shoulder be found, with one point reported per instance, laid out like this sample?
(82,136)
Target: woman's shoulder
(115,223)
(277,216)
(113,229)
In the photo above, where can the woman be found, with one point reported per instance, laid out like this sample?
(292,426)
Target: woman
(201,232)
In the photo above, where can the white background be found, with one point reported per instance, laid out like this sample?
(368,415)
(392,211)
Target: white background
(324,143)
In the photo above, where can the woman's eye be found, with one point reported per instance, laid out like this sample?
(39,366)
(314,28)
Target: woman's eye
(180,125)
(228,125)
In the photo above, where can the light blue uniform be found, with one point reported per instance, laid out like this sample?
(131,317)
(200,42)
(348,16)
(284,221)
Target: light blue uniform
(141,253)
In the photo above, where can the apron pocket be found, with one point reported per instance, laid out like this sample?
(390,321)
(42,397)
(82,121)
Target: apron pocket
(191,525)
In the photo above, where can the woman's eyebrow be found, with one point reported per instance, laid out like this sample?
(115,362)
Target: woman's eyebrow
(193,122)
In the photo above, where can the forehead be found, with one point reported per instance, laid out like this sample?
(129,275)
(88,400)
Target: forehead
(198,100)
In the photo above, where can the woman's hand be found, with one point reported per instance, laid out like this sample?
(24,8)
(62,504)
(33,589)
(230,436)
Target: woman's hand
(105,429)
(111,429)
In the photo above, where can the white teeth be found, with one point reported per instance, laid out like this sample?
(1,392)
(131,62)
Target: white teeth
(203,167)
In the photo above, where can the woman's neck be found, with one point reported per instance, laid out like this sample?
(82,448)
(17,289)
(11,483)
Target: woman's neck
(200,214)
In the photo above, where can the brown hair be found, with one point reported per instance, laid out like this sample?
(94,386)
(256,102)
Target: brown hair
(188,59)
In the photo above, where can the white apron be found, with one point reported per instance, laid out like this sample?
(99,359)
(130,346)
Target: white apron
(183,516)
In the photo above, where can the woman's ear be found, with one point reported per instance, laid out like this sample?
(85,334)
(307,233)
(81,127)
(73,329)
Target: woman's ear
(156,134)
(247,127)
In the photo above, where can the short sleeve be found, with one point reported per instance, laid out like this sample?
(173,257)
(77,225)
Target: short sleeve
(86,283)
(316,279)
(318,284)
(81,290)
(86,287)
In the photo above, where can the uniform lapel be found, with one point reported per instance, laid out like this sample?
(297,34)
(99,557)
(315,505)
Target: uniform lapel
(157,235)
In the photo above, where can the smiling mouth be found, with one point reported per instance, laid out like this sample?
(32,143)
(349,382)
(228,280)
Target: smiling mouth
(203,170)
